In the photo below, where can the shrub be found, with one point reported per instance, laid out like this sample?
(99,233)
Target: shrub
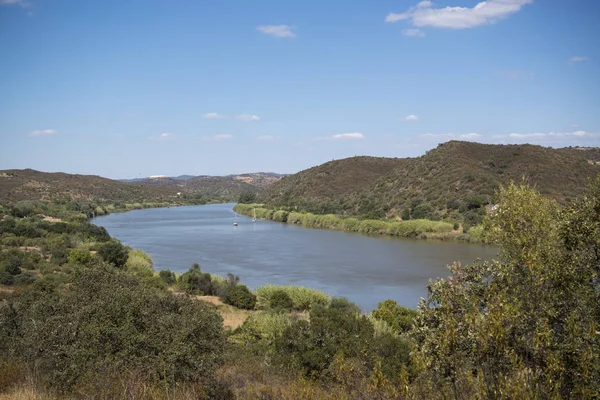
(196,282)
(167,276)
(239,296)
(399,318)
(80,256)
(264,327)
(280,300)
(110,319)
(303,298)
(114,252)
(6,278)
(139,263)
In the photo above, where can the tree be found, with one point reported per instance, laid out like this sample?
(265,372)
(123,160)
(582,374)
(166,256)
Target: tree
(115,253)
(524,326)
(247,198)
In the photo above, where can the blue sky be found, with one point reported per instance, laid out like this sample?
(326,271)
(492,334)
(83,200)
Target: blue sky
(135,88)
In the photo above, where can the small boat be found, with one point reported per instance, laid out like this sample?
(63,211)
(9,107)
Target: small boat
(235,223)
(254,219)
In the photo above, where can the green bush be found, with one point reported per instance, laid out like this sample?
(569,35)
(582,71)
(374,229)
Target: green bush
(302,298)
(80,256)
(195,282)
(168,277)
(140,264)
(399,318)
(110,319)
(6,278)
(115,253)
(280,300)
(239,296)
(265,327)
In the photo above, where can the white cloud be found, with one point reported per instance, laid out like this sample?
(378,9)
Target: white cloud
(411,117)
(43,132)
(280,31)
(414,32)
(163,136)
(267,138)
(213,115)
(247,117)
(218,138)
(578,59)
(349,136)
(578,134)
(483,13)
(453,136)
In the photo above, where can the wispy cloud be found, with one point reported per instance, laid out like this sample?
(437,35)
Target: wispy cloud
(413,32)
(165,136)
(578,59)
(247,117)
(539,135)
(267,138)
(280,31)
(483,13)
(343,136)
(213,115)
(14,3)
(453,136)
(218,138)
(411,117)
(43,132)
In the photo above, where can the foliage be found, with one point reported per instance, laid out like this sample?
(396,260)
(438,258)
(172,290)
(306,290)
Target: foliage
(280,300)
(525,325)
(115,253)
(140,264)
(239,296)
(262,327)
(110,318)
(167,276)
(399,318)
(247,197)
(303,298)
(194,281)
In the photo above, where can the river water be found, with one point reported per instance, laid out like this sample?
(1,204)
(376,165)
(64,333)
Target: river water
(364,269)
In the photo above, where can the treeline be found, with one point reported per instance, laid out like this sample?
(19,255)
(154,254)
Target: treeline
(412,228)
(524,326)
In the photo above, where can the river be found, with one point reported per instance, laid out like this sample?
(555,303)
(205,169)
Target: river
(364,269)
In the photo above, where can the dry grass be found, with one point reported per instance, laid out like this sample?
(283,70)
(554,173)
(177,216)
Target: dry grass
(232,317)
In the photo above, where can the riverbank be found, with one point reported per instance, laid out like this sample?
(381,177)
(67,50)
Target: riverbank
(417,228)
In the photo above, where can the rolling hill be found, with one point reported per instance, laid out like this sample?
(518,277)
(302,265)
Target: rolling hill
(456,176)
(28,184)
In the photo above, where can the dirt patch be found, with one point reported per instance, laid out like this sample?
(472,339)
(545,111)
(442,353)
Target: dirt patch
(52,219)
(29,249)
(232,317)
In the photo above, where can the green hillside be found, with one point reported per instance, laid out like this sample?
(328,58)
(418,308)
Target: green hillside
(28,184)
(456,179)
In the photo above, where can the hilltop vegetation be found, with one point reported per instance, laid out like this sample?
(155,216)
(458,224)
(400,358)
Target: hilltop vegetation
(456,180)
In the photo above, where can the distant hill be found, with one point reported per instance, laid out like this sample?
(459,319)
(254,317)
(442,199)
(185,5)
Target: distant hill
(456,177)
(28,184)
(230,185)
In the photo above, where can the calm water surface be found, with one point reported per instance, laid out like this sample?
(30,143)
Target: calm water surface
(364,269)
